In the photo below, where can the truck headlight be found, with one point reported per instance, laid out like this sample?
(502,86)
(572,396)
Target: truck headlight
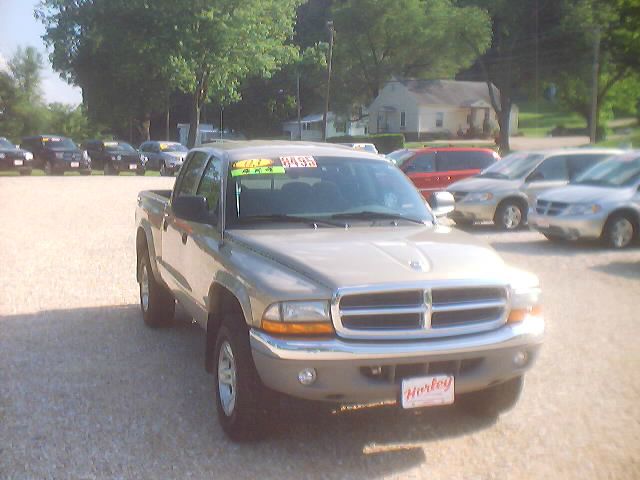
(85,156)
(143,159)
(525,297)
(479,197)
(298,318)
(28,156)
(583,209)
(2,155)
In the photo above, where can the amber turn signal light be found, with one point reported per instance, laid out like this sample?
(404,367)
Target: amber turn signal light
(300,328)
(518,315)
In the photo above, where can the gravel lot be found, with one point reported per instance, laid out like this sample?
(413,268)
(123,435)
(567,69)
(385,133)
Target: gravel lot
(86,391)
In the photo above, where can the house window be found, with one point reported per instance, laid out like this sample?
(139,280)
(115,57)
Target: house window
(403,119)
(366,130)
(341,127)
(439,119)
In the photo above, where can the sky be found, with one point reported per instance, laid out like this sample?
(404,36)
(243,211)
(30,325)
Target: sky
(18,27)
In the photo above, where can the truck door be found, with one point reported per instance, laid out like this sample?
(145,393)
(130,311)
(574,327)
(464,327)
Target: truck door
(204,242)
(421,169)
(175,231)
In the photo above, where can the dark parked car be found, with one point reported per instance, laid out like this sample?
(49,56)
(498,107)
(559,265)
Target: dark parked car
(114,156)
(13,158)
(167,157)
(57,154)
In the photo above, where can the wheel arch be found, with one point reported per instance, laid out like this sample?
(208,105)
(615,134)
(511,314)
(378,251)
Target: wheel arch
(626,211)
(521,200)
(144,243)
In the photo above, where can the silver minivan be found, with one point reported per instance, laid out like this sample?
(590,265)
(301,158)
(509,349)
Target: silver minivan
(503,192)
(602,203)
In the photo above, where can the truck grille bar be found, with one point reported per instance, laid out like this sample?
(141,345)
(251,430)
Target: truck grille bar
(419,312)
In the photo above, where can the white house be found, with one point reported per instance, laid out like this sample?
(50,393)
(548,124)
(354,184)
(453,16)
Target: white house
(424,108)
(312,127)
(206,133)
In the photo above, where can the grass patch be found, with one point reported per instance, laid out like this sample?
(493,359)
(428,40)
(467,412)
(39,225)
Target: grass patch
(627,140)
(538,122)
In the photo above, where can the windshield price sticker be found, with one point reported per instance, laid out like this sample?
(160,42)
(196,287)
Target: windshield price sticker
(257,171)
(110,144)
(252,163)
(51,139)
(298,161)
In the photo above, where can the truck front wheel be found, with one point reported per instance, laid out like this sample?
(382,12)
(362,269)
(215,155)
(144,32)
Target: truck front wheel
(156,302)
(492,401)
(243,403)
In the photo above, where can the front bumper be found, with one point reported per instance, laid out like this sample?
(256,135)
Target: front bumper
(9,164)
(127,166)
(63,166)
(569,227)
(474,211)
(343,367)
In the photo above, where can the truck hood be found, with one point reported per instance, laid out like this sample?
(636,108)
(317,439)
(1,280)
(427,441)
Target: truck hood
(586,194)
(479,184)
(337,257)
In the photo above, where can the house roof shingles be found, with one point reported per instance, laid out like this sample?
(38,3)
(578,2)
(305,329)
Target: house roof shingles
(450,92)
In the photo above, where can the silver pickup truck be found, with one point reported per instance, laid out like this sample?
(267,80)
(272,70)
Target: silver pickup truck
(321,273)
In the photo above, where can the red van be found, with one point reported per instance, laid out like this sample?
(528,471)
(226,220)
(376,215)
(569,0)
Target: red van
(433,169)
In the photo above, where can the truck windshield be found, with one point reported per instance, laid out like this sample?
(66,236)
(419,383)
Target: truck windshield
(622,171)
(321,189)
(59,143)
(6,144)
(513,166)
(118,147)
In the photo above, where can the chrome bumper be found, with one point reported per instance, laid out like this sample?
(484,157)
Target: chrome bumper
(339,363)
(476,211)
(569,227)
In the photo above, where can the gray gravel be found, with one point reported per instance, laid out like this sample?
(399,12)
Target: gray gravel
(86,391)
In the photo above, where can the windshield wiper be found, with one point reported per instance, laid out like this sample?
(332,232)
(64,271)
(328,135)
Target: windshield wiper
(371,215)
(278,217)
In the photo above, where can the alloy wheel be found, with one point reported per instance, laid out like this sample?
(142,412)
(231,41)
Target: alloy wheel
(621,233)
(227,378)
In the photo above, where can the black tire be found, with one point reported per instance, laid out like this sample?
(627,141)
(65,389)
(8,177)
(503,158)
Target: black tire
(492,401)
(25,172)
(108,169)
(612,237)
(510,215)
(554,238)
(246,419)
(160,306)
(140,172)
(48,168)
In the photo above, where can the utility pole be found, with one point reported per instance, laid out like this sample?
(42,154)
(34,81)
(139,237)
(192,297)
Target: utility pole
(298,104)
(167,133)
(594,87)
(326,99)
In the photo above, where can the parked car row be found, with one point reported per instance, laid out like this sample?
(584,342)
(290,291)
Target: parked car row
(57,154)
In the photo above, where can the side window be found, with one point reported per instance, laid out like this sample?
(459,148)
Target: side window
(210,185)
(190,178)
(144,147)
(553,168)
(450,161)
(424,163)
(580,163)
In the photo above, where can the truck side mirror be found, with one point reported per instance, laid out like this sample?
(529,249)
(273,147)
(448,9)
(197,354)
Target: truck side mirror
(191,207)
(442,203)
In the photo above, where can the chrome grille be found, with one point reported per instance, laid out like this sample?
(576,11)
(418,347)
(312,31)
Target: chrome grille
(544,207)
(419,312)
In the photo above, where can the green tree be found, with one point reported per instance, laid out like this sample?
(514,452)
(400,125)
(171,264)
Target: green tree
(71,122)
(376,39)
(26,67)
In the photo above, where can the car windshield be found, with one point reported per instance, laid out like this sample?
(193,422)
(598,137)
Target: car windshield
(622,171)
(323,190)
(400,156)
(173,147)
(118,147)
(6,144)
(59,143)
(513,166)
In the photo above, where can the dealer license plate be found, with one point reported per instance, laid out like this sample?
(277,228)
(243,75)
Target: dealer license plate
(133,166)
(428,391)
(18,163)
(75,164)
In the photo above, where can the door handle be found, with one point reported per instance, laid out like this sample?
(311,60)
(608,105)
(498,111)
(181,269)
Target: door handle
(184,238)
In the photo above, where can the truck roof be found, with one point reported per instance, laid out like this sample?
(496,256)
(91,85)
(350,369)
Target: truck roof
(240,150)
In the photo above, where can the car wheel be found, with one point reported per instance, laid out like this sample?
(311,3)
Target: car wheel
(510,216)
(48,168)
(242,401)
(163,169)
(156,302)
(140,172)
(492,401)
(25,172)
(619,231)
